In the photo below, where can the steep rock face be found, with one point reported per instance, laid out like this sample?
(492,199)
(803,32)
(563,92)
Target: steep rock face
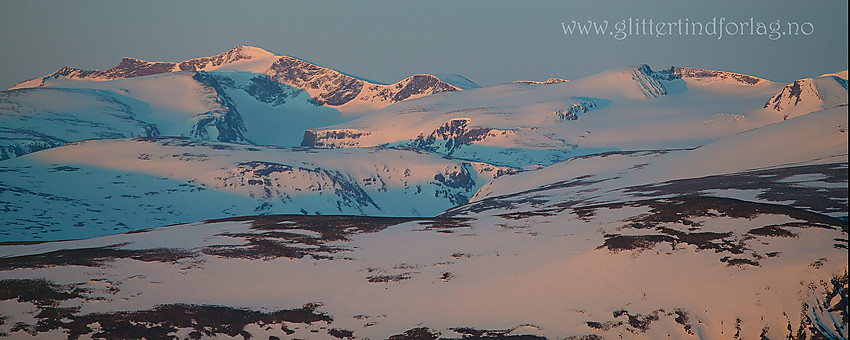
(454,134)
(808,95)
(227,122)
(327,86)
(674,73)
(359,193)
(260,87)
(647,82)
(791,95)
(265,90)
(420,84)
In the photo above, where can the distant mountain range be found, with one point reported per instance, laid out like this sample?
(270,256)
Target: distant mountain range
(325,86)
(202,98)
(527,123)
(248,95)
(261,196)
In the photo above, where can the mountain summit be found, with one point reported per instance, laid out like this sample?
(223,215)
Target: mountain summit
(810,94)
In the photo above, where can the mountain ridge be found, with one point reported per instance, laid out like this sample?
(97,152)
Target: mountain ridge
(325,85)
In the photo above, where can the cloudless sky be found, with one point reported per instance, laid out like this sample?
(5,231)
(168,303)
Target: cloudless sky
(490,42)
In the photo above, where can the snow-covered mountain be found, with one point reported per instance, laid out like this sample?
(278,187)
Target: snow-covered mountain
(246,95)
(809,95)
(325,86)
(174,104)
(526,124)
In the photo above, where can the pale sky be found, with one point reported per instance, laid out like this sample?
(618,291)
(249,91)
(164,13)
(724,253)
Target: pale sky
(490,42)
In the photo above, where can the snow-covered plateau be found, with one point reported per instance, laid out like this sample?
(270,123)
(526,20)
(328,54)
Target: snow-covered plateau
(250,195)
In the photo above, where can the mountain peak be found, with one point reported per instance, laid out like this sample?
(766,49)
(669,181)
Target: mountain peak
(131,60)
(248,52)
(236,54)
(808,95)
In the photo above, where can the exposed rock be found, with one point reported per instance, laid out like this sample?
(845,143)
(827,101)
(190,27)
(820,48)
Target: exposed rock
(332,87)
(332,138)
(647,82)
(674,73)
(226,121)
(456,133)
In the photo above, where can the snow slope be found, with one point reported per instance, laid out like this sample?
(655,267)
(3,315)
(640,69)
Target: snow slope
(36,119)
(810,139)
(100,187)
(186,104)
(458,81)
(840,74)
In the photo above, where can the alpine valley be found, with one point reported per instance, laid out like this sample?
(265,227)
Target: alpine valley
(252,195)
